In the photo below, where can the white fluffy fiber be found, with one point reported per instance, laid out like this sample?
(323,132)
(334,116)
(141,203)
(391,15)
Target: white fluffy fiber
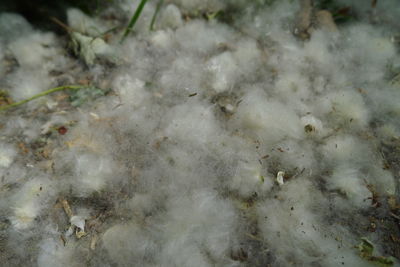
(178,164)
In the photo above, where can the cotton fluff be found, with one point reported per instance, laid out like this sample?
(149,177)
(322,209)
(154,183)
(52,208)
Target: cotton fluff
(43,45)
(131,91)
(171,17)
(13,26)
(345,148)
(201,38)
(383,180)
(298,235)
(313,125)
(349,182)
(30,201)
(53,253)
(195,226)
(129,242)
(26,83)
(371,51)
(249,178)
(295,156)
(225,139)
(7,155)
(82,23)
(92,172)
(206,5)
(192,123)
(224,70)
(346,107)
(266,119)
(181,76)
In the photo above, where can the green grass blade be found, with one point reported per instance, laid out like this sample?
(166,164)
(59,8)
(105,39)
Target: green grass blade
(153,19)
(133,20)
(52,90)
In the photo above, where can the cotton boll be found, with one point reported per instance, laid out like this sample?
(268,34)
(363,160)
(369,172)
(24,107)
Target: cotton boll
(7,155)
(224,70)
(128,243)
(30,201)
(171,17)
(269,120)
(13,26)
(349,182)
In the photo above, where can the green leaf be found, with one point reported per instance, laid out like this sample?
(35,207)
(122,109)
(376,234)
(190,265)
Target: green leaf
(77,98)
(366,249)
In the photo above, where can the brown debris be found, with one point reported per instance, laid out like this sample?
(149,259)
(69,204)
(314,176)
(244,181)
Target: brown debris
(67,208)
(325,21)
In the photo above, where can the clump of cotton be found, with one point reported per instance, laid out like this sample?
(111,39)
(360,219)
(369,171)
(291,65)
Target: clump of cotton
(295,156)
(131,91)
(92,173)
(199,37)
(224,70)
(192,123)
(346,107)
(382,180)
(30,201)
(298,235)
(223,144)
(350,186)
(44,45)
(201,6)
(171,17)
(345,148)
(129,242)
(13,26)
(7,154)
(53,253)
(201,226)
(82,23)
(250,178)
(26,83)
(268,120)
(370,50)
(313,125)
